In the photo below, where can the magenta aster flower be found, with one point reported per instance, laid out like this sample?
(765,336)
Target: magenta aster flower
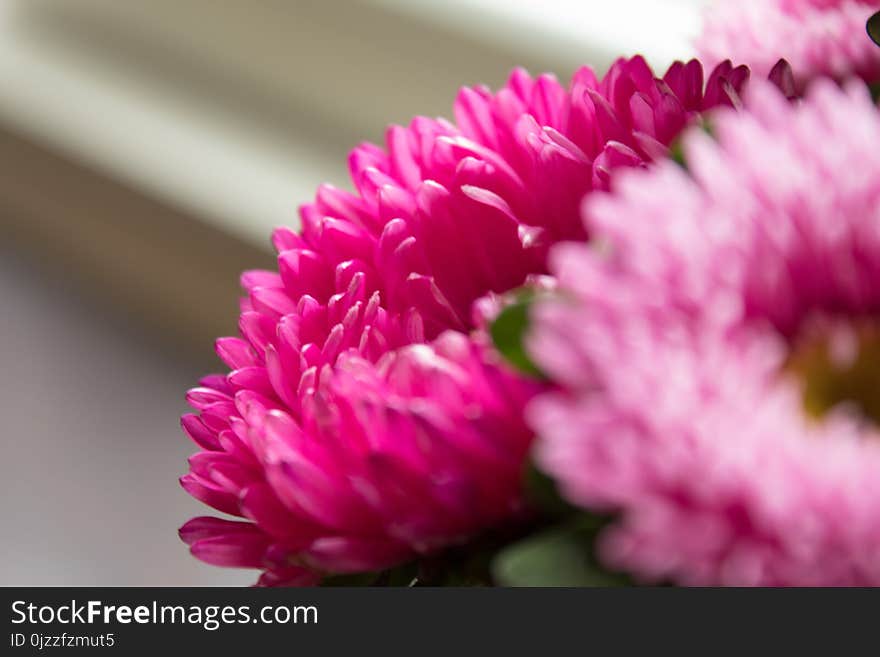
(818,37)
(388,460)
(719,363)
(362,425)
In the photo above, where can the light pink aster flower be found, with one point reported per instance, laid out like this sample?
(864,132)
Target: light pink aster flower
(361,424)
(719,358)
(817,37)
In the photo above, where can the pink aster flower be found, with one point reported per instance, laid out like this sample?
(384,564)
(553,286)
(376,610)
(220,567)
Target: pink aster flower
(719,360)
(390,459)
(818,37)
(362,425)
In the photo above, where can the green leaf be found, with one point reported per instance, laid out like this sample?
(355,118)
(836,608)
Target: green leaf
(508,333)
(873,28)
(542,493)
(676,148)
(354,579)
(403,575)
(676,154)
(562,556)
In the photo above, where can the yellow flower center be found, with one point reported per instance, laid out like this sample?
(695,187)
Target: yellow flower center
(838,363)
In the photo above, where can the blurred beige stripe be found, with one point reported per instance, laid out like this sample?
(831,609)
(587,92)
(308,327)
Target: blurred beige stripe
(175,274)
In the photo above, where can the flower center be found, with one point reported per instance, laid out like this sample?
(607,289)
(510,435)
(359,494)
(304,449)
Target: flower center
(838,362)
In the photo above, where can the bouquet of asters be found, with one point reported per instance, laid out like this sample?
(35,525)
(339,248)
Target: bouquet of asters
(624,330)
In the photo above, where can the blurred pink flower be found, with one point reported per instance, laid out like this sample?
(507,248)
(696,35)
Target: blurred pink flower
(817,37)
(357,429)
(719,363)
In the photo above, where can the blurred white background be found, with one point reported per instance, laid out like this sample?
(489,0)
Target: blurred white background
(148,149)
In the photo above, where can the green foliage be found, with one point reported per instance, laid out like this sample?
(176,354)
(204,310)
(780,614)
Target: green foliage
(404,575)
(542,494)
(560,556)
(676,154)
(676,148)
(873,28)
(508,334)
(354,579)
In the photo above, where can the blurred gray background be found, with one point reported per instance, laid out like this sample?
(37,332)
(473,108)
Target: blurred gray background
(147,149)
